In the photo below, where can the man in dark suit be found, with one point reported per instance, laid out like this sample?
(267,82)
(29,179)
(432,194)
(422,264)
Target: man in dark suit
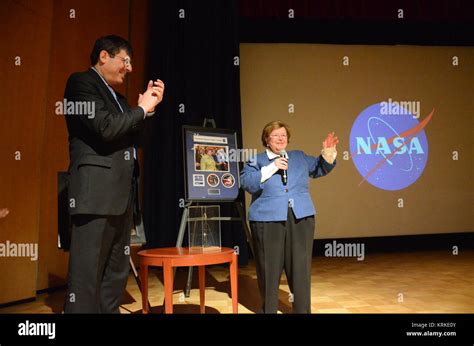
(102,190)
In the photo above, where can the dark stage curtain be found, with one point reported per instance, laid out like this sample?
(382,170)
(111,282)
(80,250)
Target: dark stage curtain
(415,10)
(425,22)
(194,56)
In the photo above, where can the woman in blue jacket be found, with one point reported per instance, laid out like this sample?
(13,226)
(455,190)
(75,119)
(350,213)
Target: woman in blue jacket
(281,214)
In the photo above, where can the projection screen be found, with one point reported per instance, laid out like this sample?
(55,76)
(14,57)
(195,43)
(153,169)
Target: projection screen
(404,117)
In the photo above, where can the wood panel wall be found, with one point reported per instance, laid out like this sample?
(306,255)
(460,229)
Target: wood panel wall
(53,39)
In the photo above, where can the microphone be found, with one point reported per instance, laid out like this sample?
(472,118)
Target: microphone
(284,154)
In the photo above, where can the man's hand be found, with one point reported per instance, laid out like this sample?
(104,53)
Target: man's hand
(158,87)
(152,96)
(330,141)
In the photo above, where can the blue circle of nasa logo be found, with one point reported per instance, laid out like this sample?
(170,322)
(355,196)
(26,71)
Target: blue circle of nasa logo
(389,148)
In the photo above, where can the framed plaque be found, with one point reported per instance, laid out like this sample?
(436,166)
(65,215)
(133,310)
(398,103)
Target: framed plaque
(211,173)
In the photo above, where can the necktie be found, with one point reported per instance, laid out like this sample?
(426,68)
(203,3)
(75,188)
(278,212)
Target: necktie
(116,99)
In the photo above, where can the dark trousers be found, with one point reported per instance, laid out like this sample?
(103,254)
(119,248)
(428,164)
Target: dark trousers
(284,245)
(99,262)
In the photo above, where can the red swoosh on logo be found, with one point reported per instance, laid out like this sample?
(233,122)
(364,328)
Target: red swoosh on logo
(408,133)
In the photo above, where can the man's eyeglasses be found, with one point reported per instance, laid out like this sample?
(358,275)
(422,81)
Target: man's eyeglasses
(127,61)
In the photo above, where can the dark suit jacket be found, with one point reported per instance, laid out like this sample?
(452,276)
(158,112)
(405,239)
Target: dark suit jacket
(100,146)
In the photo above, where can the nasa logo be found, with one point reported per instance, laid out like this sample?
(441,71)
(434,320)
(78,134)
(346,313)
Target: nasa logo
(389,151)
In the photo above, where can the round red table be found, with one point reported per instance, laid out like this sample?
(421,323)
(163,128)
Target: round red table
(171,257)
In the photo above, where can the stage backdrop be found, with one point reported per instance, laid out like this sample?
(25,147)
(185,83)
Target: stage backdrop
(401,168)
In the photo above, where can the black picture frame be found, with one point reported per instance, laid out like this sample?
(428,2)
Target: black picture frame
(217,181)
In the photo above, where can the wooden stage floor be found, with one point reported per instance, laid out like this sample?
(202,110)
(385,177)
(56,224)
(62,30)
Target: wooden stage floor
(415,282)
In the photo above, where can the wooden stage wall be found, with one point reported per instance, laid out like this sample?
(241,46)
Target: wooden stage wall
(44,42)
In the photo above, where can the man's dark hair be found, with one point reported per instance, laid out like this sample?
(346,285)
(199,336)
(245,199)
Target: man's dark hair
(112,44)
